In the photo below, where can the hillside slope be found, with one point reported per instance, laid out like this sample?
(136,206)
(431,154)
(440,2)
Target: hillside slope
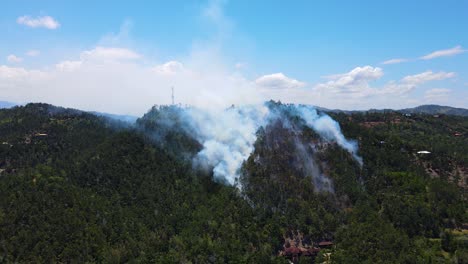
(75,187)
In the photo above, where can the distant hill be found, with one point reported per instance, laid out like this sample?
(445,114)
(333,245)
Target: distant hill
(422,109)
(436,109)
(5,104)
(123,118)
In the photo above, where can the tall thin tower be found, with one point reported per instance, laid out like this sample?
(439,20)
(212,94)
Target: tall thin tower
(172,88)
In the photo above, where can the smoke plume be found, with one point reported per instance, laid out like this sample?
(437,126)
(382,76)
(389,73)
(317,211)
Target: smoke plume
(227,136)
(328,129)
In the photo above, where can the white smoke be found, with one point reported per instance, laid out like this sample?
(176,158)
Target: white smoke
(328,129)
(228,135)
(320,181)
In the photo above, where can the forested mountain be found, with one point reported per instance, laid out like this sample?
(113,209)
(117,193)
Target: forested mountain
(76,187)
(436,109)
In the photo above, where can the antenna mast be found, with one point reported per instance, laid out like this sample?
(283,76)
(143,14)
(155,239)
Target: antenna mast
(172,88)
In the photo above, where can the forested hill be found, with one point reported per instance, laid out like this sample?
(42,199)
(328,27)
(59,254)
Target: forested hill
(422,109)
(75,187)
(435,110)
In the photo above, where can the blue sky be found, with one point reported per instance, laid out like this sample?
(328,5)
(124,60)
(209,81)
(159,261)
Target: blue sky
(122,56)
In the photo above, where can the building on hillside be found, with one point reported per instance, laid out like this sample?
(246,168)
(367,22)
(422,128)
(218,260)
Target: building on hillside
(325,244)
(423,152)
(294,250)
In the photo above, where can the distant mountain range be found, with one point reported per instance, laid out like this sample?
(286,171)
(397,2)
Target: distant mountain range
(436,109)
(422,109)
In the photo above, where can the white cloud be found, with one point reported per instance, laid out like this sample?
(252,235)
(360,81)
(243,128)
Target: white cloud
(8,73)
(355,82)
(356,76)
(14,59)
(437,94)
(44,21)
(394,61)
(11,72)
(33,53)
(127,86)
(411,82)
(68,66)
(169,68)
(17,83)
(444,53)
(353,90)
(109,53)
(98,55)
(427,76)
(436,54)
(278,81)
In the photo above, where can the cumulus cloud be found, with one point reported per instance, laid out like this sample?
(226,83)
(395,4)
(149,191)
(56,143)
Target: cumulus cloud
(14,59)
(354,82)
(169,68)
(98,55)
(33,53)
(278,81)
(394,61)
(354,89)
(444,53)
(356,76)
(37,22)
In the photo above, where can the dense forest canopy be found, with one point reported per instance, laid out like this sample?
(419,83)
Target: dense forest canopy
(76,187)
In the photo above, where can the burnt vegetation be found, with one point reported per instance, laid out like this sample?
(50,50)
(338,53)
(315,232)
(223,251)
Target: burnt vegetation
(75,187)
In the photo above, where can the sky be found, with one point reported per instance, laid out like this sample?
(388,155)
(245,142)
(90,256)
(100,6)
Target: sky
(124,56)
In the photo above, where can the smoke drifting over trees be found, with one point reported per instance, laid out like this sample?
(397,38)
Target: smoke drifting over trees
(227,137)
